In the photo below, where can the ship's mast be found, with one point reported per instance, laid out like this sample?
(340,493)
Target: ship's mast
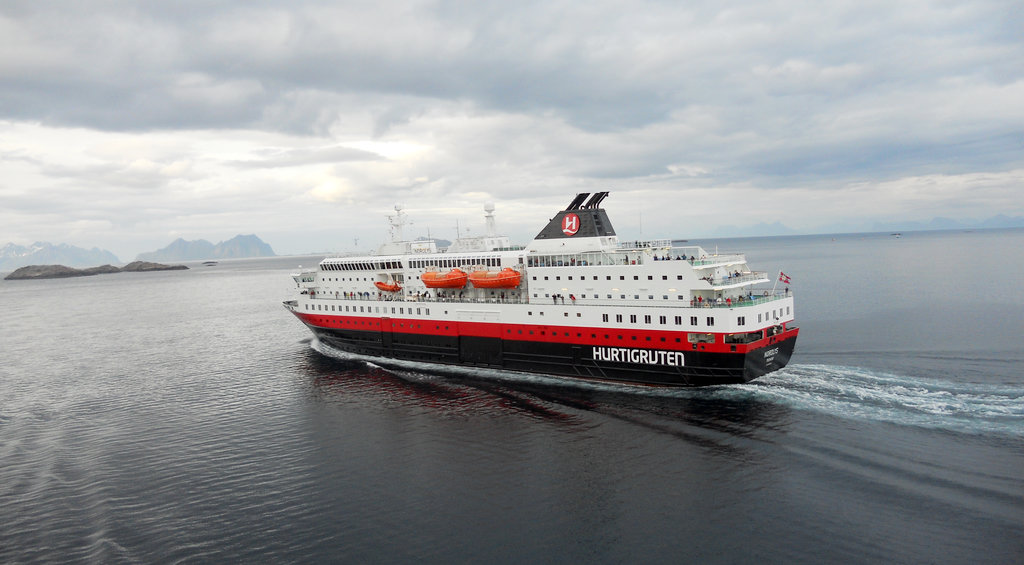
(397,221)
(489,219)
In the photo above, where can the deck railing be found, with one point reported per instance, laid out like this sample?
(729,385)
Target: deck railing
(749,300)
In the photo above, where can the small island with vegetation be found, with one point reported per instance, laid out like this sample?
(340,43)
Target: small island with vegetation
(60,271)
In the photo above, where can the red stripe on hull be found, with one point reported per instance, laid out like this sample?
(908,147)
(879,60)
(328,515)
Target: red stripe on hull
(589,336)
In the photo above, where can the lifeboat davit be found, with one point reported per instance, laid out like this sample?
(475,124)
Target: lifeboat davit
(505,278)
(390,286)
(454,278)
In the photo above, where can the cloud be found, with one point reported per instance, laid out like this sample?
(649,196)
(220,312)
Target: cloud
(310,115)
(269,158)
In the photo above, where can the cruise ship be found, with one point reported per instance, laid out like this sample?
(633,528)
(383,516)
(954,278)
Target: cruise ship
(574,302)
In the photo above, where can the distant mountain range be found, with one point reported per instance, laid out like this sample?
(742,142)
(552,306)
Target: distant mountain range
(14,256)
(777,228)
(236,247)
(43,253)
(995,222)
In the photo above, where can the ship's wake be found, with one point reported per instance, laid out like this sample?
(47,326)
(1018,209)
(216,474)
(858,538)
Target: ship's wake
(854,392)
(839,391)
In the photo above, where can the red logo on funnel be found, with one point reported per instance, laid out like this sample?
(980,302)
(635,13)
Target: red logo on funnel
(570,224)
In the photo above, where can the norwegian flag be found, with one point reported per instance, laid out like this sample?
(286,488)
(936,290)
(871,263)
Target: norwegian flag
(784,277)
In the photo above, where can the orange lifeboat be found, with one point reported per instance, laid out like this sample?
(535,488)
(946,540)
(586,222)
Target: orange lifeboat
(390,286)
(454,278)
(505,278)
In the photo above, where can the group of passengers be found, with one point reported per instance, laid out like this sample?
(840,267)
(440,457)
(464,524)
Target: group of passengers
(682,257)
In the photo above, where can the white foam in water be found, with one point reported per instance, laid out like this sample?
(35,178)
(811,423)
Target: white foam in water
(844,392)
(860,393)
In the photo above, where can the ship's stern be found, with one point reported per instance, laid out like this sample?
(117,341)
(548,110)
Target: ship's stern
(772,356)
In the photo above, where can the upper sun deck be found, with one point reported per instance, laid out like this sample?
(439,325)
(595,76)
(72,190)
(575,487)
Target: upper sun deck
(636,253)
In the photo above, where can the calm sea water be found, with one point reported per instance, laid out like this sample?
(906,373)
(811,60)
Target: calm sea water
(187,417)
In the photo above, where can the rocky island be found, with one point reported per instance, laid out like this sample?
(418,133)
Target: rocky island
(60,271)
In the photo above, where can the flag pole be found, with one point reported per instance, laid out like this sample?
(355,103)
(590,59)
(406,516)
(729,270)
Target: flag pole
(776,282)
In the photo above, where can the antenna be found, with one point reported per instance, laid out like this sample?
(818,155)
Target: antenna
(397,221)
(489,218)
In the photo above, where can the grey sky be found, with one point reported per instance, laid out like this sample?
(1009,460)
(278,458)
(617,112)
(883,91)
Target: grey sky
(125,125)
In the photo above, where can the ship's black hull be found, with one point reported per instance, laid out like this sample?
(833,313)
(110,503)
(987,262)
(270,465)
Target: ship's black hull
(682,368)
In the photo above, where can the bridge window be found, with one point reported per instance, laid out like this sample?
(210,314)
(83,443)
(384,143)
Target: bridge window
(711,321)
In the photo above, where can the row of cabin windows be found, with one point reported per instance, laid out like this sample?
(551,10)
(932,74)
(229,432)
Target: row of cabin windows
(361,266)
(621,296)
(455,262)
(367,309)
(690,337)
(773,314)
(663,320)
(609,277)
